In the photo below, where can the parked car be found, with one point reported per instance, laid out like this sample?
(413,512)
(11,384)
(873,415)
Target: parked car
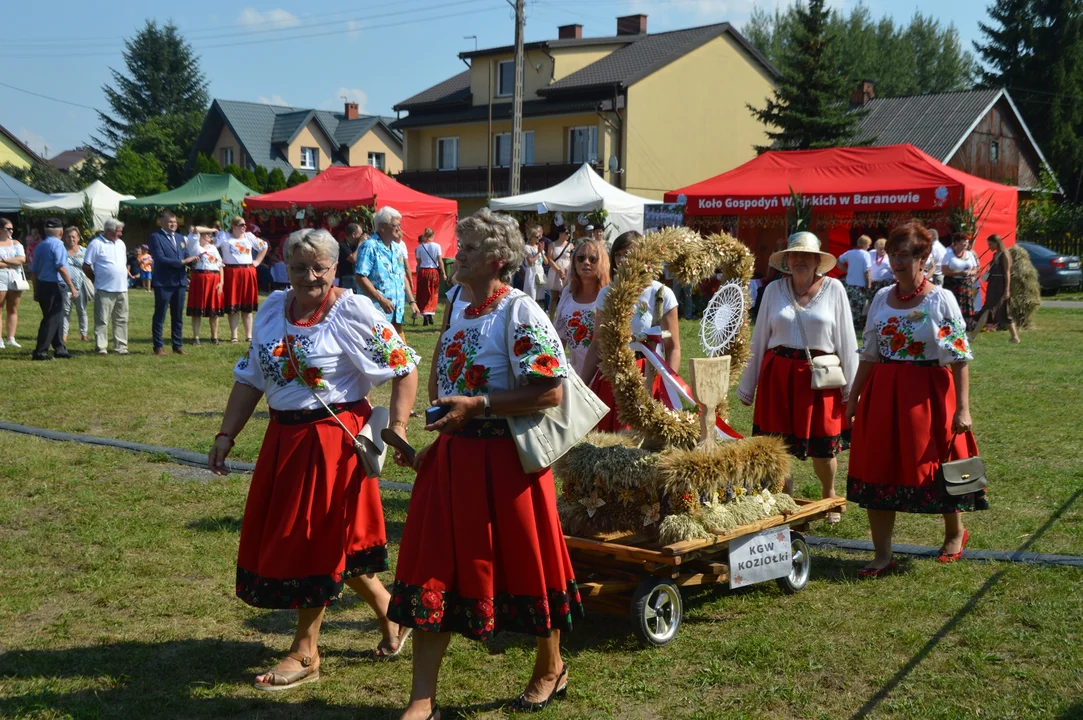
(1055,271)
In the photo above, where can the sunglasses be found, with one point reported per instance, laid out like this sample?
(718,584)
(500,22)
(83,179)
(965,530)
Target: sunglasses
(584,258)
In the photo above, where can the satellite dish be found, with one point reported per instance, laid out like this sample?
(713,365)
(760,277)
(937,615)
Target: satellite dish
(722,319)
(614,164)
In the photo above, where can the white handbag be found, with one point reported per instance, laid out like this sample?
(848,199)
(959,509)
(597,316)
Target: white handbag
(826,369)
(544,437)
(21,283)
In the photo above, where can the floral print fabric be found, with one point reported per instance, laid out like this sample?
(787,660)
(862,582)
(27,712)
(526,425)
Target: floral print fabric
(474,358)
(934,330)
(575,326)
(385,268)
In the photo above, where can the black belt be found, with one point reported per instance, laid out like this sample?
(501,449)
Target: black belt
(204,272)
(919,363)
(238,265)
(484,429)
(302,417)
(795,353)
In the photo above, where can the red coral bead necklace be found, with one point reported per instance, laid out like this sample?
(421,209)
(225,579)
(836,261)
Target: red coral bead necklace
(473,312)
(316,316)
(910,296)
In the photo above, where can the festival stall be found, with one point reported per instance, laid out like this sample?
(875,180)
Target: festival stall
(851,191)
(13,194)
(583,192)
(104,202)
(207,196)
(351,194)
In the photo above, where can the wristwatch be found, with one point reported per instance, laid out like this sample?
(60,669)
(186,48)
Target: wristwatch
(488,406)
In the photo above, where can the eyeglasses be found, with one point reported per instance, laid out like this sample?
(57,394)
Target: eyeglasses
(585,258)
(303,270)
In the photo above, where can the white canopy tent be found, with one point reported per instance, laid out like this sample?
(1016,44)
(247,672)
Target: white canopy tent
(582,192)
(104,199)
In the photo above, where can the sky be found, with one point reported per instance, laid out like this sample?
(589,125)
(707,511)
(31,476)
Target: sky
(318,52)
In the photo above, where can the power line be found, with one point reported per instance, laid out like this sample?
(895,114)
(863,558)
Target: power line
(65,102)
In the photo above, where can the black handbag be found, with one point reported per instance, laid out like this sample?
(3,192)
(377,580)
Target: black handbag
(961,477)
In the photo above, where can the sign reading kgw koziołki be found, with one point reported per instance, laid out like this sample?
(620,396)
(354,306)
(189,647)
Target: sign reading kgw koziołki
(760,557)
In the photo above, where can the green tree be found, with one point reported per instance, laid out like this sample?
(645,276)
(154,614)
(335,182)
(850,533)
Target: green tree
(276,180)
(261,178)
(163,78)
(168,138)
(248,177)
(204,164)
(134,173)
(43,177)
(296,178)
(86,218)
(808,109)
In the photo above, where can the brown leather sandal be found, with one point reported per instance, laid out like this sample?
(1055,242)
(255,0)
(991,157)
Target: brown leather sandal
(286,680)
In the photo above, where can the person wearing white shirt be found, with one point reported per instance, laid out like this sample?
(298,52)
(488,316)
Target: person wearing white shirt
(881,267)
(857,265)
(241,253)
(934,265)
(960,266)
(106,264)
(205,299)
(804,314)
(430,271)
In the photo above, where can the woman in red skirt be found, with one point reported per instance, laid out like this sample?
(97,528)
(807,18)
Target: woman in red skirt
(205,289)
(910,406)
(313,520)
(430,271)
(241,252)
(806,311)
(483,550)
(657,307)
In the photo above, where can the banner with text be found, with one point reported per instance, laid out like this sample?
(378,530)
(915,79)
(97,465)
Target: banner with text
(760,557)
(879,201)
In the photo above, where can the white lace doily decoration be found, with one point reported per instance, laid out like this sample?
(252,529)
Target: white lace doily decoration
(722,319)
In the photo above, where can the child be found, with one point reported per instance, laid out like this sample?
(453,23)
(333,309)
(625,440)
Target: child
(146,265)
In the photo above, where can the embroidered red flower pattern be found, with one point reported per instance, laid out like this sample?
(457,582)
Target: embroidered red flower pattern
(476,376)
(397,359)
(522,345)
(546,365)
(456,368)
(916,348)
(898,342)
(453,349)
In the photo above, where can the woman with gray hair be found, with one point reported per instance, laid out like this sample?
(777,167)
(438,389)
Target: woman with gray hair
(482,550)
(313,520)
(381,267)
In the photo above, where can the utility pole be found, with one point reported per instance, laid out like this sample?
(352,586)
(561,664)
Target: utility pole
(517,98)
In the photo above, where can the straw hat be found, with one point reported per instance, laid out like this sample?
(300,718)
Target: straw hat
(804,242)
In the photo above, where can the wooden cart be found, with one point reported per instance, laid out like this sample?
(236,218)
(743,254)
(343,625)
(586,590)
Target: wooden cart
(629,575)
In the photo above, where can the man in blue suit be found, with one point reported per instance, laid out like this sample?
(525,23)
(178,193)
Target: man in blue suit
(168,249)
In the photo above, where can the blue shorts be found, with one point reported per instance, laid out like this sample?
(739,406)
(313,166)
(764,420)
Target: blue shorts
(144,274)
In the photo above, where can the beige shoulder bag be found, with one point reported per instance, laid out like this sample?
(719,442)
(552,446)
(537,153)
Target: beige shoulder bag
(826,369)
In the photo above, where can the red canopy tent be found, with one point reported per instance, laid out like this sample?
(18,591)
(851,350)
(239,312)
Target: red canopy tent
(347,188)
(850,189)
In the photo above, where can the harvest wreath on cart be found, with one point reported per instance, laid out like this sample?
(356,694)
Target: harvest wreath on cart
(653,509)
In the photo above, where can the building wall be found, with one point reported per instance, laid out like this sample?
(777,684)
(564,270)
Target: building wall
(689,120)
(1017,162)
(12,153)
(226,139)
(376,140)
(310,136)
(573,59)
(550,140)
(537,73)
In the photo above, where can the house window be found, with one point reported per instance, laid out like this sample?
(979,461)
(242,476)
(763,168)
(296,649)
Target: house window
(583,145)
(310,158)
(502,149)
(376,160)
(447,153)
(994,151)
(227,156)
(505,78)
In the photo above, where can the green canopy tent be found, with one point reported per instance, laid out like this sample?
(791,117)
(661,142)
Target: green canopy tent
(205,197)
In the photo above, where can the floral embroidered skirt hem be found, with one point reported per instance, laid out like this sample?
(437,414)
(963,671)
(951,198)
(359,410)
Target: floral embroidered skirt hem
(901,433)
(204,300)
(963,290)
(240,289)
(428,290)
(312,519)
(601,387)
(482,550)
(810,421)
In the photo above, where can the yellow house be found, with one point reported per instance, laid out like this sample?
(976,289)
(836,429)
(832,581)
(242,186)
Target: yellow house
(14,151)
(651,112)
(250,134)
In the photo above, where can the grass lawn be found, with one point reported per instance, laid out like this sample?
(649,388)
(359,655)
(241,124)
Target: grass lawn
(116,596)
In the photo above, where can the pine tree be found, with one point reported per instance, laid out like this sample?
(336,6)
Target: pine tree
(276,180)
(204,164)
(261,176)
(809,108)
(1007,42)
(296,178)
(163,79)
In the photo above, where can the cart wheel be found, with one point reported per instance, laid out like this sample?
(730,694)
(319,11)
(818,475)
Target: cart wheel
(802,564)
(656,611)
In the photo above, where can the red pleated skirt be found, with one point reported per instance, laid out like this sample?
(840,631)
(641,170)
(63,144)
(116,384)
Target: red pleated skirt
(482,550)
(312,519)
(604,391)
(241,289)
(204,300)
(901,433)
(428,290)
(810,421)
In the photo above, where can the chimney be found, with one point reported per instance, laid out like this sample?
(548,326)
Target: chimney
(570,32)
(863,93)
(351,111)
(632,25)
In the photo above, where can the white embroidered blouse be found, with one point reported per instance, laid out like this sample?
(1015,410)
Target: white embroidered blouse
(828,326)
(240,251)
(575,327)
(643,318)
(209,258)
(474,355)
(353,349)
(934,330)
